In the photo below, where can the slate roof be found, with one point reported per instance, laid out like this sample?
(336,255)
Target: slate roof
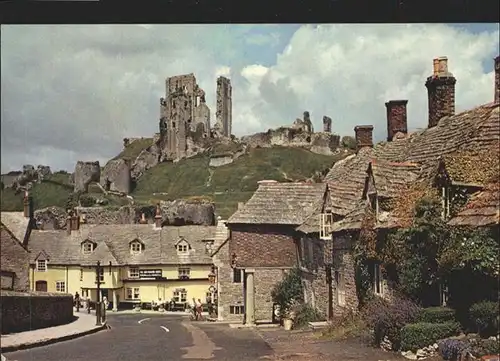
(482,210)
(477,128)
(113,244)
(280,204)
(16,223)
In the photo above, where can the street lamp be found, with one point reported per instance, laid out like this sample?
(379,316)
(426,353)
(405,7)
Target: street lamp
(98,303)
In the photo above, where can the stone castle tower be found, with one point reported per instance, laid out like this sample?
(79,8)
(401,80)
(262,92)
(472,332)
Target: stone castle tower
(224,111)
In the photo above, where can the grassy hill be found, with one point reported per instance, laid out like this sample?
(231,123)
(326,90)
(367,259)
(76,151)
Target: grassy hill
(226,185)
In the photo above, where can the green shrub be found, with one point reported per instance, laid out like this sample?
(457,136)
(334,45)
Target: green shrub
(305,313)
(486,347)
(288,292)
(422,334)
(484,316)
(436,315)
(86,200)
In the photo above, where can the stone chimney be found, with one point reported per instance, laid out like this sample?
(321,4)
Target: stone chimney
(158,218)
(440,92)
(364,136)
(396,118)
(497,79)
(75,221)
(327,124)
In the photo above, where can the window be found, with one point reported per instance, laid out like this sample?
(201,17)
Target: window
(41,265)
(135,247)
(237,275)
(180,296)
(340,282)
(101,275)
(182,248)
(237,310)
(81,274)
(184,273)
(326,222)
(61,286)
(133,272)
(377,279)
(88,247)
(133,293)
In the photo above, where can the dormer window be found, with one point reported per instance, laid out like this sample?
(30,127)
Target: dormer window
(182,246)
(135,247)
(88,247)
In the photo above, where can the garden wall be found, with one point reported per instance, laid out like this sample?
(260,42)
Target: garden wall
(32,310)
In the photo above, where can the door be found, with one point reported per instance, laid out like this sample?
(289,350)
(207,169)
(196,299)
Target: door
(41,286)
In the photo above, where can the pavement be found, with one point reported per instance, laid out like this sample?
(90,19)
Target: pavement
(84,324)
(154,337)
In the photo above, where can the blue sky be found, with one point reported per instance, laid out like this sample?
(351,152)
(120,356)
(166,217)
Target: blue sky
(73,92)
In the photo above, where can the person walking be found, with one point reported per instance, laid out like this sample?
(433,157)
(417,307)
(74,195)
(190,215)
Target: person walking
(199,309)
(77,302)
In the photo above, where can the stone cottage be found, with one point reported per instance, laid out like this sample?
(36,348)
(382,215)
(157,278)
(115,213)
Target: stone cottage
(263,245)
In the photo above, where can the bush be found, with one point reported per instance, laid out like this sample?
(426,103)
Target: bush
(484,316)
(387,319)
(485,347)
(422,334)
(305,313)
(436,315)
(288,292)
(86,200)
(452,349)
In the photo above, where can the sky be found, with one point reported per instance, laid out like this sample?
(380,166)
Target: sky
(73,92)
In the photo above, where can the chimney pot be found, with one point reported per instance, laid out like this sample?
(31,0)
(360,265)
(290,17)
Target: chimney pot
(364,136)
(497,80)
(440,92)
(396,118)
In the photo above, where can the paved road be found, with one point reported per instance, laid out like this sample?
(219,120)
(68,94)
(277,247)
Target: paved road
(165,338)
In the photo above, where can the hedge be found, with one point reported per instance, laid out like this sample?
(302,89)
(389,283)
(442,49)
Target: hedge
(484,315)
(422,334)
(436,315)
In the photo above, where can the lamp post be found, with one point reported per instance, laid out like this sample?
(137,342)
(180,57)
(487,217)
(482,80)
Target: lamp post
(98,303)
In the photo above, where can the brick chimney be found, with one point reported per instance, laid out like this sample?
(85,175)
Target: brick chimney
(440,92)
(497,79)
(158,218)
(396,118)
(364,136)
(327,124)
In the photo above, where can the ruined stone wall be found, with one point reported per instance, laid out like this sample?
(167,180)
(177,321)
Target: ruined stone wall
(85,173)
(327,124)
(147,159)
(33,310)
(185,212)
(202,116)
(219,161)
(14,260)
(224,107)
(116,176)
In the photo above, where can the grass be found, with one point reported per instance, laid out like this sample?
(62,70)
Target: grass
(344,327)
(135,148)
(226,185)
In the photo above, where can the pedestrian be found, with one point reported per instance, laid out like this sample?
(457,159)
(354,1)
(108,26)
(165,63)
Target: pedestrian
(106,303)
(77,301)
(199,309)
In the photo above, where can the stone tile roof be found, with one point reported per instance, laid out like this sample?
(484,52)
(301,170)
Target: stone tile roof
(389,177)
(353,219)
(482,210)
(280,203)
(16,223)
(311,224)
(113,244)
(477,128)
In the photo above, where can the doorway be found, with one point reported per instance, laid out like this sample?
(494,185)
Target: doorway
(41,286)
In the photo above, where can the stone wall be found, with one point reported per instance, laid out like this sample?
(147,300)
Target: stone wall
(265,279)
(263,245)
(34,310)
(185,212)
(220,161)
(14,262)
(116,176)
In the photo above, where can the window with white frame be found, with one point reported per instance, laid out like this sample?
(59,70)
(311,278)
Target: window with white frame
(326,223)
(237,310)
(135,247)
(41,265)
(180,296)
(132,293)
(87,247)
(377,279)
(184,272)
(133,272)
(60,286)
(340,282)
(101,275)
(182,247)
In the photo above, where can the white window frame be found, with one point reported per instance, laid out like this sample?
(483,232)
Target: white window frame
(61,286)
(135,247)
(325,225)
(237,309)
(341,291)
(184,272)
(101,276)
(182,248)
(378,280)
(87,247)
(133,272)
(137,293)
(39,267)
(180,296)
(129,293)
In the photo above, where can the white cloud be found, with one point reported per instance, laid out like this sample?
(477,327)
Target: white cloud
(73,92)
